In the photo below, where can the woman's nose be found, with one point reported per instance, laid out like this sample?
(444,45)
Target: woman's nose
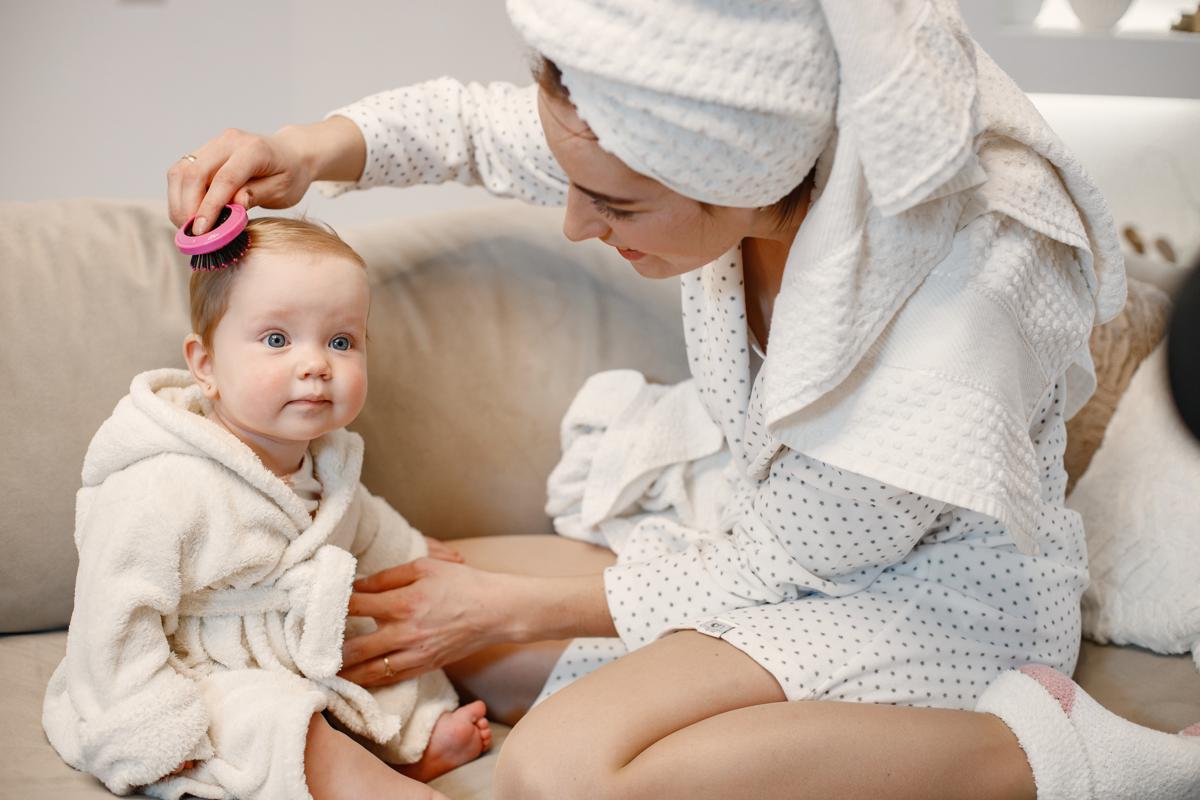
(582,221)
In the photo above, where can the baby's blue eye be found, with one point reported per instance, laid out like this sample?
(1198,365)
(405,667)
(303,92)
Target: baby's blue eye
(340,343)
(275,340)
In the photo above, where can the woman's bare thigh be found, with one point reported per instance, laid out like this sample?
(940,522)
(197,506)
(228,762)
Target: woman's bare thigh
(601,723)
(509,677)
(691,716)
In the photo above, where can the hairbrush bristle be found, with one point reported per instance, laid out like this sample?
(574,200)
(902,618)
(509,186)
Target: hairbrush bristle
(227,256)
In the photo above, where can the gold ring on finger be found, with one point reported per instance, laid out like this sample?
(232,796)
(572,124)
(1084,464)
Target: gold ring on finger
(188,157)
(387,668)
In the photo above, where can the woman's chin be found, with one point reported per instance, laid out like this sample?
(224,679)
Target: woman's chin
(649,266)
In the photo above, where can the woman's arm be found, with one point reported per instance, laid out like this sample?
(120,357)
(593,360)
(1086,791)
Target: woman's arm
(443,131)
(270,171)
(433,132)
(559,608)
(430,613)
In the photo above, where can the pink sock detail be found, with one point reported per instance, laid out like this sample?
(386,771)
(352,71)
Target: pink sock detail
(1060,687)
(1191,730)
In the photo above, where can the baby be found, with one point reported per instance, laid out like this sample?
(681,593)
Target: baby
(220,527)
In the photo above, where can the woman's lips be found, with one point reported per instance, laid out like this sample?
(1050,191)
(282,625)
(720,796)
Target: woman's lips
(632,255)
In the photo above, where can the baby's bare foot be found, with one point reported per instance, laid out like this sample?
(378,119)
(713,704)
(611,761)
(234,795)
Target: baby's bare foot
(458,736)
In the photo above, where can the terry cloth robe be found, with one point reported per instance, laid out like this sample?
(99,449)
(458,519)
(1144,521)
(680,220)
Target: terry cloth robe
(210,608)
(892,528)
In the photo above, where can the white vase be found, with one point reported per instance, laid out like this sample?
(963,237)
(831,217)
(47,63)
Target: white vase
(1099,15)
(1020,12)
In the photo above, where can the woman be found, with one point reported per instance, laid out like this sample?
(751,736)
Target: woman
(889,269)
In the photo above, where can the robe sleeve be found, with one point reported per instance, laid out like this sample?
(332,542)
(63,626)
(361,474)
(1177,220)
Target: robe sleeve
(442,131)
(116,707)
(382,537)
(808,527)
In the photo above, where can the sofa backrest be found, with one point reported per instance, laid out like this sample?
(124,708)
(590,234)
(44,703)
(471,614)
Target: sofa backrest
(483,326)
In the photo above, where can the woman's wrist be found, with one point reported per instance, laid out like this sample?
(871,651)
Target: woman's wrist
(540,608)
(331,150)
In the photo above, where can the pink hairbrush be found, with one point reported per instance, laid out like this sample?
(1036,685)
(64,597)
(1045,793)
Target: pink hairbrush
(222,246)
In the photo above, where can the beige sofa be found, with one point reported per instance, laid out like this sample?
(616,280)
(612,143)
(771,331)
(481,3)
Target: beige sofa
(483,325)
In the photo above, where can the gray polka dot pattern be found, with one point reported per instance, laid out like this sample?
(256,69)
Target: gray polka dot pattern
(840,585)
(846,589)
(443,130)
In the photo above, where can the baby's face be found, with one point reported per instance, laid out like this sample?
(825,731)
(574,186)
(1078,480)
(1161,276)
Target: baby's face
(289,356)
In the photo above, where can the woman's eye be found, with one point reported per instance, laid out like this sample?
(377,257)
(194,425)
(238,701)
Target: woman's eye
(610,212)
(340,343)
(275,340)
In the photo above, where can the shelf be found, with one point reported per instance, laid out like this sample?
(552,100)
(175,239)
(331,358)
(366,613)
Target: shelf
(1058,61)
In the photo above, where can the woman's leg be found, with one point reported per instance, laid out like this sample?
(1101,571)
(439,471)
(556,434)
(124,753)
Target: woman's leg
(509,677)
(692,716)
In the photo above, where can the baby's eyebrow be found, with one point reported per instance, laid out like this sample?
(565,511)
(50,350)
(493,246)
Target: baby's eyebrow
(271,314)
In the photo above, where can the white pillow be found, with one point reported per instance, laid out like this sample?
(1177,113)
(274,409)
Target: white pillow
(1140,501)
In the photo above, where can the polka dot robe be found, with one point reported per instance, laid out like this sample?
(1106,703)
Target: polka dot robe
(843,587)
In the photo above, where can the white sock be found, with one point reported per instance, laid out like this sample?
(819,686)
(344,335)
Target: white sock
(1078,750)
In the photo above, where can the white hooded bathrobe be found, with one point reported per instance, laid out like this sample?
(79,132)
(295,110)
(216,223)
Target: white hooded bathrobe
(210,608)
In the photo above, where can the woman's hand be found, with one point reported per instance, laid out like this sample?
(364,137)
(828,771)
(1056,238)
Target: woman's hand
(443,551)
(429,612)
(255,170)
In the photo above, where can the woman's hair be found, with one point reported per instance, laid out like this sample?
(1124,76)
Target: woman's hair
(209,290)
(549,79)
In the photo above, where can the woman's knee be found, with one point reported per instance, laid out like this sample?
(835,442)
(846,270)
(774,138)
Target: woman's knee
(544,758)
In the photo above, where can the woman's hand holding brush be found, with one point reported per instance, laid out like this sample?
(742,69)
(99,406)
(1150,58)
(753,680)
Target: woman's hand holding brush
(254,170)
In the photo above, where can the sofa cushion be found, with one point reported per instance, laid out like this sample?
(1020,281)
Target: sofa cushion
(1162,692)
(31,769)
(94,292)
(1138,503)
(484,324)
(1117,349)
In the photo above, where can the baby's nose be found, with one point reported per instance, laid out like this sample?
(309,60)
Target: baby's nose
(315,366)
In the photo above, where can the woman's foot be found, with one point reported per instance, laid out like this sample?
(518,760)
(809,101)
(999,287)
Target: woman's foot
(458,737)
(1078,749)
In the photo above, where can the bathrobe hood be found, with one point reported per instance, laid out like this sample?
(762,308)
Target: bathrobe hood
(164,414)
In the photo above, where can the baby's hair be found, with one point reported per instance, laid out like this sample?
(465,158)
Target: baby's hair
(209,290)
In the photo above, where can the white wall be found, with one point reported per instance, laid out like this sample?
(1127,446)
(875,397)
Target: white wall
(100,96)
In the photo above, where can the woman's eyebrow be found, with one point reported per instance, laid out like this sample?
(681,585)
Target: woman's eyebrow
(603,198)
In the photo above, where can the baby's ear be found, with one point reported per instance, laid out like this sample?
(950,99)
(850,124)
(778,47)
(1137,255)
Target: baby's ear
(200,364)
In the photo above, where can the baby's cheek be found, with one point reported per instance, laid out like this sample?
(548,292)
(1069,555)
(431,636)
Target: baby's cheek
(266,390)
(354,389)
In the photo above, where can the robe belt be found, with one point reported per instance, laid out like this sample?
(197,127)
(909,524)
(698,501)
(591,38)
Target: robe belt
(312,599)
(235,602)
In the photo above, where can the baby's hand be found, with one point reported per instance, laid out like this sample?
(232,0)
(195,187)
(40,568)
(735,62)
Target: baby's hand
(440,550)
